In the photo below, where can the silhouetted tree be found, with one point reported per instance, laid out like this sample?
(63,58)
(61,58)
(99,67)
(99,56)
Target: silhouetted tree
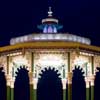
(97,85)
(2,85)
(49,85)
(21,85)
(78,84)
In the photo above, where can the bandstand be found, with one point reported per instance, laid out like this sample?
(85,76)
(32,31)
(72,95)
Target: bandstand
(50,48)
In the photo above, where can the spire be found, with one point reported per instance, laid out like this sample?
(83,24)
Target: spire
(50,12)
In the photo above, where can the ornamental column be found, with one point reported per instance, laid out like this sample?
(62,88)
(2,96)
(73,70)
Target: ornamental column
(87,88)
(8,87)
(69,85)
(31,85)
(92,86)
(92,64)
(64,88)
(7,64)
(32,61)
(69,61)
(12,89)
(69,78)
(35,89)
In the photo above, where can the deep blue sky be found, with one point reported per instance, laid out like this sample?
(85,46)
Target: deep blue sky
(19,17)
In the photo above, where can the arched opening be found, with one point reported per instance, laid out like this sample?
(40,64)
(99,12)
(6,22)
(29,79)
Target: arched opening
(21,85)
(49,85)
(78,84)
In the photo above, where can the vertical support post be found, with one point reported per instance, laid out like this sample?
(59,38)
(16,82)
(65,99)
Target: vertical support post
(35,94)
(92,79)
(64,88)
(8,87)
(7,64)
(12,90)
(64,94)
(31,92)
(68,61)
(92,87)
(35,90)
(8,92)
(69,86)
(92,64)
(31,86)
(32,61)
(69,79)
(31,77)
(87,88)
(12,93)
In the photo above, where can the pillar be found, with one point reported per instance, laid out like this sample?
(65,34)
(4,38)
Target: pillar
(87,88)
(32,61)
(12,90)
(69,79)
(31,86)
(8,87)
(35,89)
(68,61)
(64,88)
(31,77)
(92,86)
(7,64)
(64,94)
(92,64)
(35,94)
(69,85)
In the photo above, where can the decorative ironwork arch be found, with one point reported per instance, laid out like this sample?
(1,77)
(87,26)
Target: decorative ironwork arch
(78,84)
(21,85)
(49,85)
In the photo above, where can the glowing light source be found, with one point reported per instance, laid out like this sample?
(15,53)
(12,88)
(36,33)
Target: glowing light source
(50,60)
(55,30)
(45,30)
(14,54)
(86,54)
(84,63)
(79,61)
(49,37)
(50,29)
(20,61)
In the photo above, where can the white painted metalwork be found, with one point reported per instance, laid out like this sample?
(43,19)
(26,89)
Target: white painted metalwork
(50,37)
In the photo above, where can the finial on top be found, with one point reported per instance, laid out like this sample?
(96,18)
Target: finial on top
(50,12)
(50,24)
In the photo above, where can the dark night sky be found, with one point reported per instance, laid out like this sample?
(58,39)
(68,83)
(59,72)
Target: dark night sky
(20,17)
